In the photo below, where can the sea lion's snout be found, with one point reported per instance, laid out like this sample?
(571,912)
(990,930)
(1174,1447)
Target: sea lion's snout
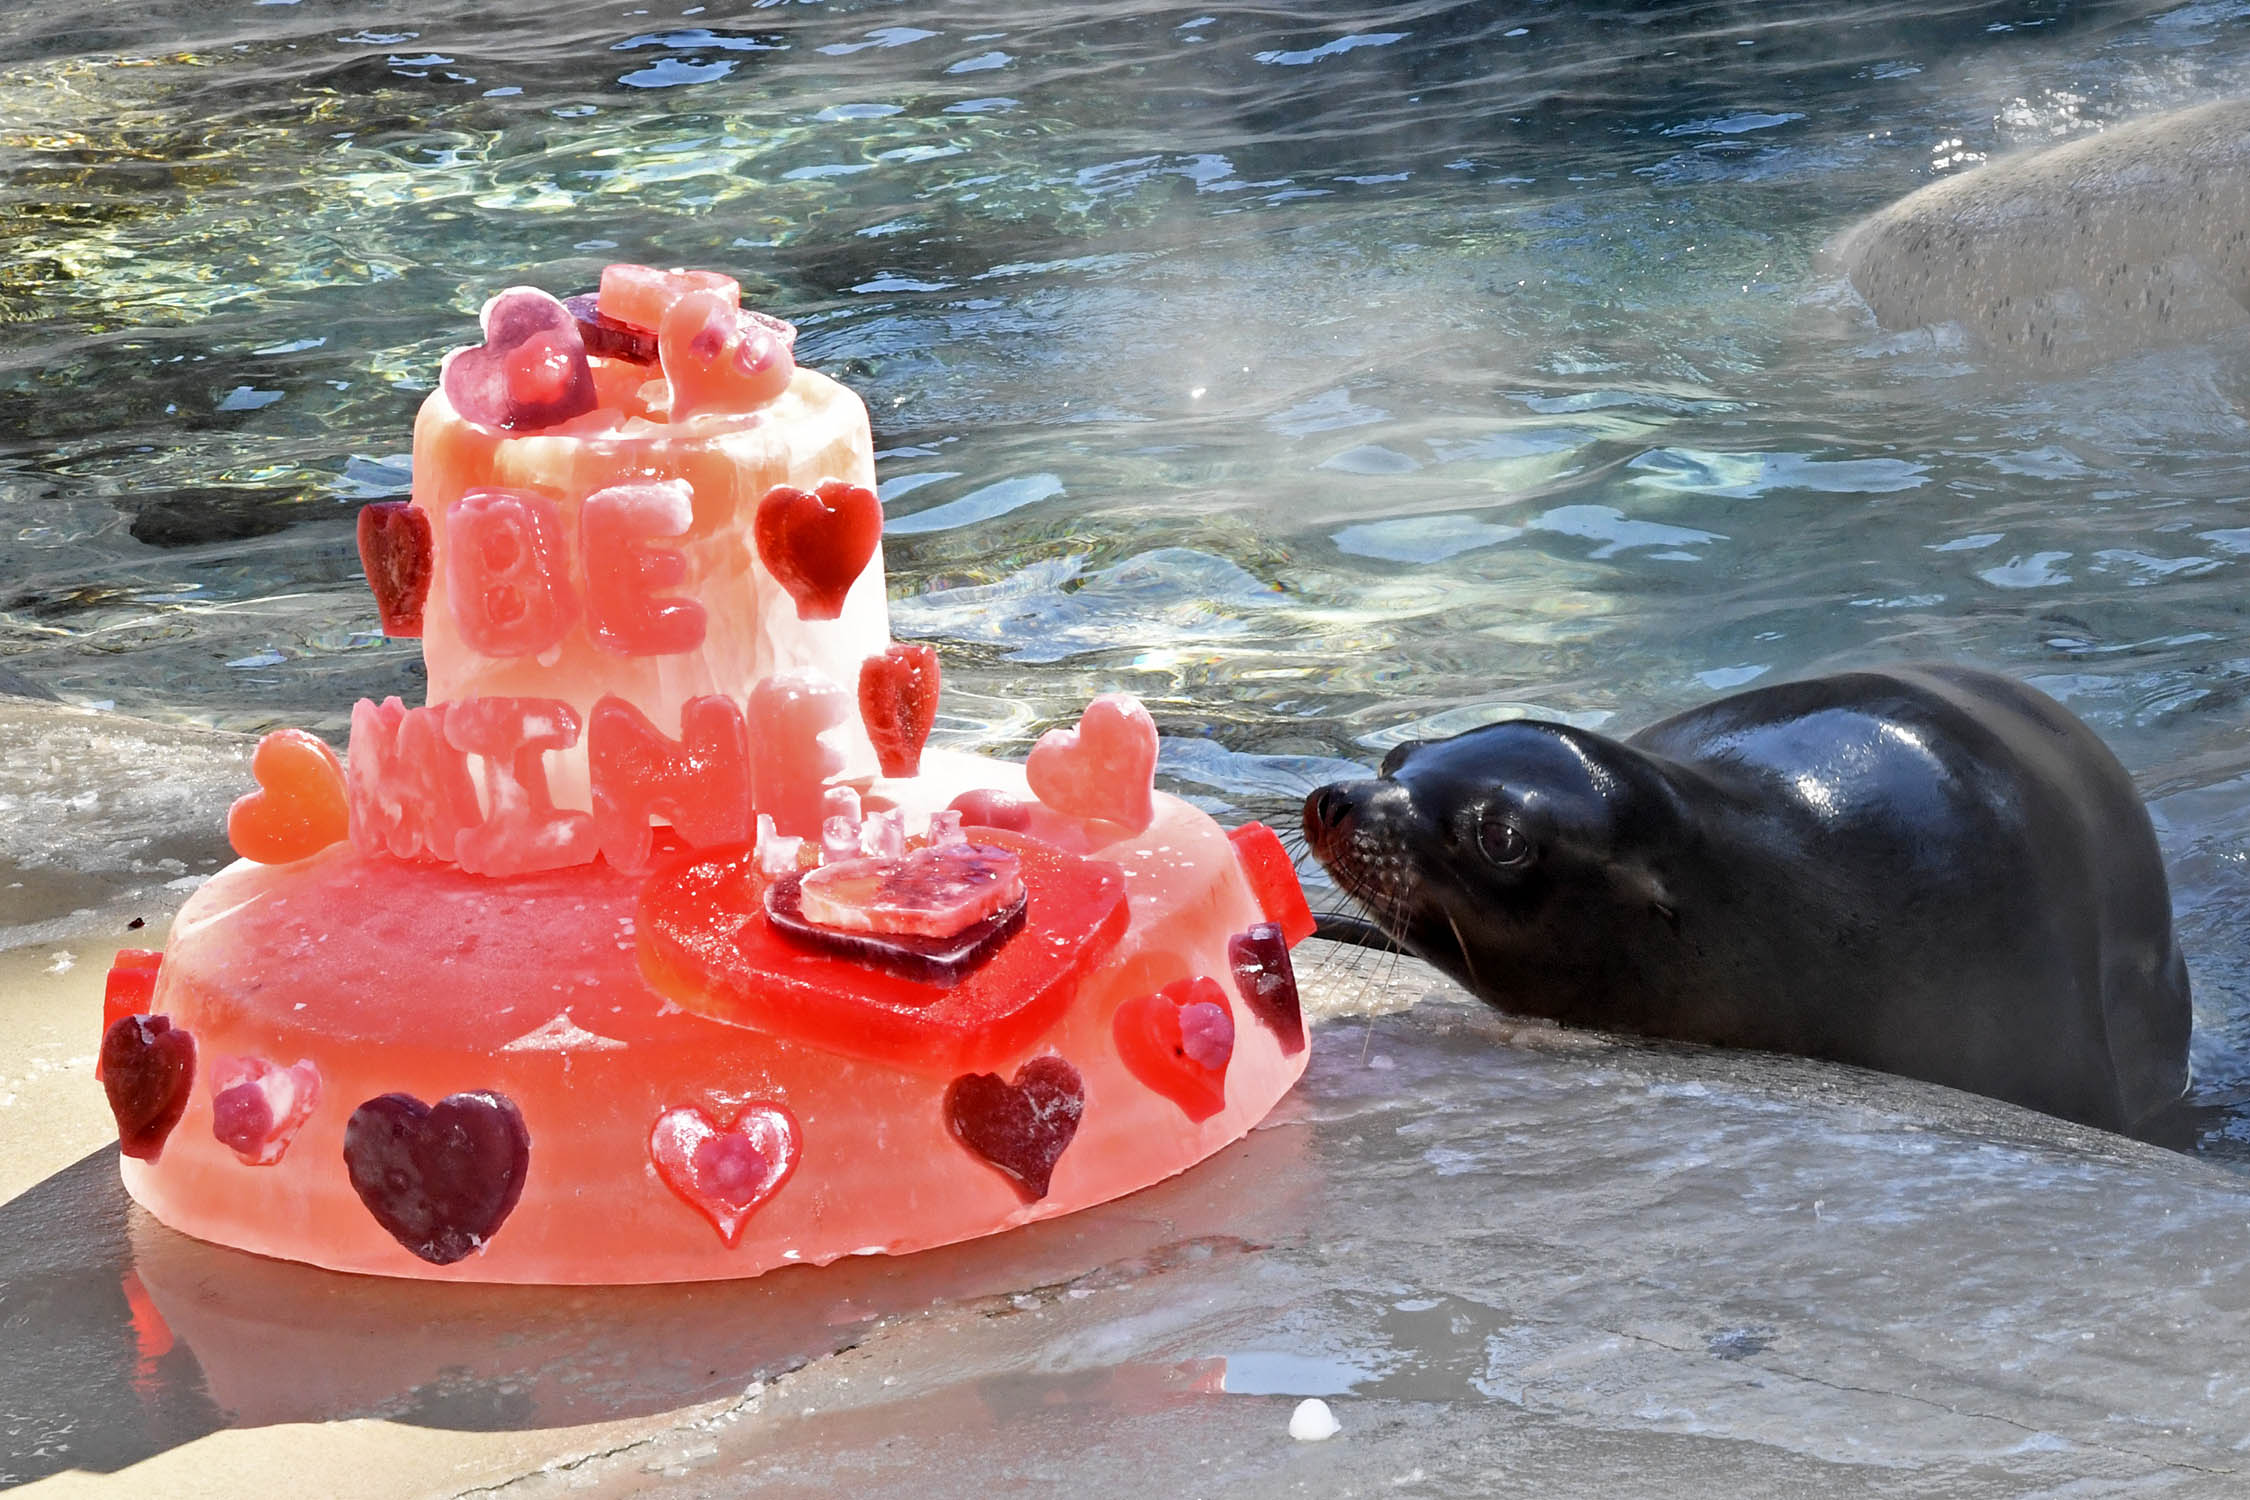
(1359,831)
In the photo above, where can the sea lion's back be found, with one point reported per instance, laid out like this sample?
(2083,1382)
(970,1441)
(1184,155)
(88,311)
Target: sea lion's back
(1972,798)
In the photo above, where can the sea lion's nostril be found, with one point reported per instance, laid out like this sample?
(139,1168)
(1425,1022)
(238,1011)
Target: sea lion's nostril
(1326,809)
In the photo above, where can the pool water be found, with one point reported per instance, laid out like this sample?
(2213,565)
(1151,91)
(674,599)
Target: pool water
(1323,376)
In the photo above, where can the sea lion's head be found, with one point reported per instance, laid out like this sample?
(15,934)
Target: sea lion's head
(1530,860)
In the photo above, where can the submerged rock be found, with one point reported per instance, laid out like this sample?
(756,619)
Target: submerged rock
(2138,237)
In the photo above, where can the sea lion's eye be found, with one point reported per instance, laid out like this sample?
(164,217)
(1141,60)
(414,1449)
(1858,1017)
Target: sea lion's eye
(1502,842)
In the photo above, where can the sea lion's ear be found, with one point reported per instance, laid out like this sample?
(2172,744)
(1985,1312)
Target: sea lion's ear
(1640,884)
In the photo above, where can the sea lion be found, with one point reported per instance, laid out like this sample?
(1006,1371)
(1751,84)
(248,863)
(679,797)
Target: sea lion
(1928,870)
(2137,237)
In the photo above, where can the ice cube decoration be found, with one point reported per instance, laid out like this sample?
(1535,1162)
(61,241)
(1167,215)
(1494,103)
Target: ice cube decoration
(658,945)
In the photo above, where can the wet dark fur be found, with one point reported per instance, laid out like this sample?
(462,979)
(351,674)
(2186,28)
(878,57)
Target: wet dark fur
(1928,870)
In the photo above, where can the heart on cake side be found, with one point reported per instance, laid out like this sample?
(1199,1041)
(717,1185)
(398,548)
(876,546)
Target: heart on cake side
(258,1106)
(725,1172)
(147,1067)
(1179,1040)
(441,1179)
(1267,982)
(817,542)
(1021,1127)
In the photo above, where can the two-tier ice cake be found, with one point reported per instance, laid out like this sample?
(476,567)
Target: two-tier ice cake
(656,946)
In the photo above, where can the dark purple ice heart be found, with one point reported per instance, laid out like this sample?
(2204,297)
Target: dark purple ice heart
(612,338)
(148,1067)
(440,1178)
(1023,1127)
(529,372)
(1267,982)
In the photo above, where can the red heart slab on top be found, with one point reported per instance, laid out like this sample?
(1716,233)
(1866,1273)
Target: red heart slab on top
(300,807)
(396,550)
(705,942)
(1021,1127)
(1179,1041)
(725,1172)
(148,1069)
(817,542)
(1103,769)
(716,358)
(530,372)
(898,699)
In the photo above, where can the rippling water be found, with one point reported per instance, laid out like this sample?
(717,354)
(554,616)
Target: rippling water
(1320,374)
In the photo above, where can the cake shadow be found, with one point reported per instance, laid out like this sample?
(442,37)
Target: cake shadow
(127,1339)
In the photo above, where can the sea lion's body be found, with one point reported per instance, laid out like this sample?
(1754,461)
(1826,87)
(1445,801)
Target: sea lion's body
(1932,871)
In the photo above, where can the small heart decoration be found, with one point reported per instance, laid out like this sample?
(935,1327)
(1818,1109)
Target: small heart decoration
(726,1172)
(1179,1041)
(1021,1127)
(128,990)
(717,357)
(396,550)
(441,1179)
(300,807)
(148,1069)
(530,372)
(817,542)
(1267,982)
(257,1107)
(639,296)
(898,699)
(1273,879)
(1105,768)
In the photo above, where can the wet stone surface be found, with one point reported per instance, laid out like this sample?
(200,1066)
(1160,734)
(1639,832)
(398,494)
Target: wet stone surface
(1508,1257)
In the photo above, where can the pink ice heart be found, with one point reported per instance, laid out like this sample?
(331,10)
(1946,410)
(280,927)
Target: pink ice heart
(1105,768)
(530,371)
(725,1173)
(258,1106)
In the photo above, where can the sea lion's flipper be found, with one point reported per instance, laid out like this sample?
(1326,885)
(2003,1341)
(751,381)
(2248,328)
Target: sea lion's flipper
(2148,1045)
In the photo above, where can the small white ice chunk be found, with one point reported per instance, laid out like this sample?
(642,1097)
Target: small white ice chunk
(562,1034)
(1313,1422)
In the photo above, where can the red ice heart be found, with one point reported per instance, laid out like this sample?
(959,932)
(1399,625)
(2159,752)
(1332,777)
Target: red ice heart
(148,1067)
(898,698)
(1105,768)
(717,357)
(817,542)
(396,551)
(300,807)
(725,1173)
(1179,1041)
(1022,1128)
(529,372)
(441,1179)
(257,1106)
(129,990)
(1267,982)
(1273,880)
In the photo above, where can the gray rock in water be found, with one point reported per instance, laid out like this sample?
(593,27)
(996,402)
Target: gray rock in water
(2138,237)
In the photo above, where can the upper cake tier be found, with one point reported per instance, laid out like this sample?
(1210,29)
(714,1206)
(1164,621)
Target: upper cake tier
(619,551)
